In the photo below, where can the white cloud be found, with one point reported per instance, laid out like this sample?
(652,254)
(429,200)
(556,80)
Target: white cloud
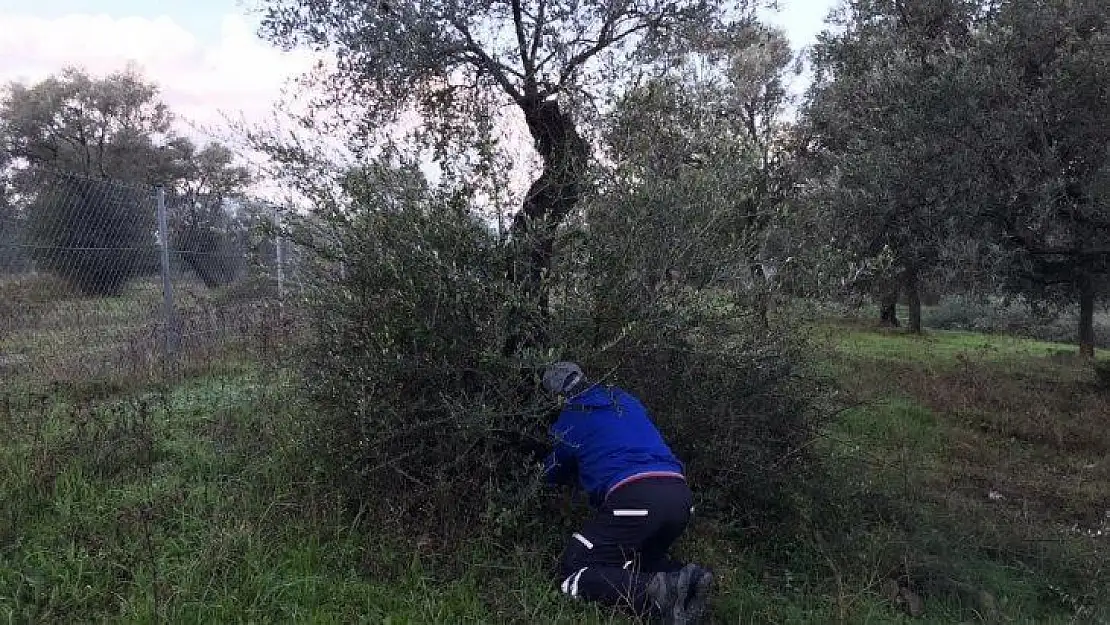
(238,74)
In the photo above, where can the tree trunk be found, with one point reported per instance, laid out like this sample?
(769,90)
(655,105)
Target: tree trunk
(763,293)
(549,200)
(1086,318)
(888,309)
(913,294)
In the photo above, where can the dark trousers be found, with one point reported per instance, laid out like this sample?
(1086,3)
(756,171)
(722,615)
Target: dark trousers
(612,559)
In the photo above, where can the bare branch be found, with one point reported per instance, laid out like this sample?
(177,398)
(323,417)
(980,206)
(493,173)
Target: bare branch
(522,44)
(537,33)
(484,61)
(604,40)
(554,53)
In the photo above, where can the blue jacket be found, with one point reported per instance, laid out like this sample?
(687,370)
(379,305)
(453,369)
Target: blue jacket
(605,435)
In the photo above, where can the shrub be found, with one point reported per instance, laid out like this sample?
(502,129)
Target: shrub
(426,422)
(422,414)
(961,313)
(723,380)
(733,406)
(95,234)
(1016,317)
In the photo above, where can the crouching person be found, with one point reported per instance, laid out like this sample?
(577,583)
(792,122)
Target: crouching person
(642,503)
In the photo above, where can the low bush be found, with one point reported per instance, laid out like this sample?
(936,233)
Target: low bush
(425,422)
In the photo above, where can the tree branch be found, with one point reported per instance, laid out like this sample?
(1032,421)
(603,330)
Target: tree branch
(604,39)
(537,33)
(484,61)
(525,56)
(554,53)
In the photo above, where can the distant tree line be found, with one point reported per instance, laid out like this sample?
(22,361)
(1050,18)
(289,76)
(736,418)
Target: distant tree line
(958,146)
(80,158)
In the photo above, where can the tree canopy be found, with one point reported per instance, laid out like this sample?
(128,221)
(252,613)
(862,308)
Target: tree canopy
(84,153)
(448,59)
(1044,150)
(966,133)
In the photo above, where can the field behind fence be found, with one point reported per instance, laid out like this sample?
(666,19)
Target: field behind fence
(103,279)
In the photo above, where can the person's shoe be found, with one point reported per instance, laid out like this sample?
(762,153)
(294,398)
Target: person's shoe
(697,596)
(668,592)
(686,580)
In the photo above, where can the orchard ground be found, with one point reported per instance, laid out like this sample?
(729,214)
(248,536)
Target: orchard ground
(969,478)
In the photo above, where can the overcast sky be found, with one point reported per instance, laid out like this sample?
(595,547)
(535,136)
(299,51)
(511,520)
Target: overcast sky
(203,53)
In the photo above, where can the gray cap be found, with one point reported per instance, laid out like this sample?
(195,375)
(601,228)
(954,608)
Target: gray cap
(561,377)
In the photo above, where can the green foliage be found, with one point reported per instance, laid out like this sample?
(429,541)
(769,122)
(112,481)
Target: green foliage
(210,241)
(733,410)
(1043,156)
(225,521)
(97,126)
(412,303)
(967,139)
(96,234)
(111,127)
(422,412)
(454,54)
(669,309)
(883,135)
(456,69)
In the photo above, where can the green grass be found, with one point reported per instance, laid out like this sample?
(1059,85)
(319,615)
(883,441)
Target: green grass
(945,348)
(985,457)
(216,521)
(47,331)
(959,469)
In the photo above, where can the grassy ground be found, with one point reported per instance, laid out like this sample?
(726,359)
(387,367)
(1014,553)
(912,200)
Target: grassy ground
(985,458)
(48,331)
(970,471)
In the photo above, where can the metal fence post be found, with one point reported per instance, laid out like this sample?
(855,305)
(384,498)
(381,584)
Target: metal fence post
(167,283)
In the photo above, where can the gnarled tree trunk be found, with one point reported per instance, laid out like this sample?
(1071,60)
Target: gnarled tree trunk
(888,309)
(913,296)
(549,200)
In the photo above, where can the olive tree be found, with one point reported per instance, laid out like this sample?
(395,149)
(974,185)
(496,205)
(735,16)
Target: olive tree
(114,127)
(887,121)
(547,59)
(1043,159)
(427,318)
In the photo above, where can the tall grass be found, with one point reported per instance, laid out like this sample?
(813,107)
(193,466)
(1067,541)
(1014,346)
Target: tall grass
(50,332)
(966,472)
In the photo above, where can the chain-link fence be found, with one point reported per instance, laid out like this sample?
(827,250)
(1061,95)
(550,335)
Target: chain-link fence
(103,278)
